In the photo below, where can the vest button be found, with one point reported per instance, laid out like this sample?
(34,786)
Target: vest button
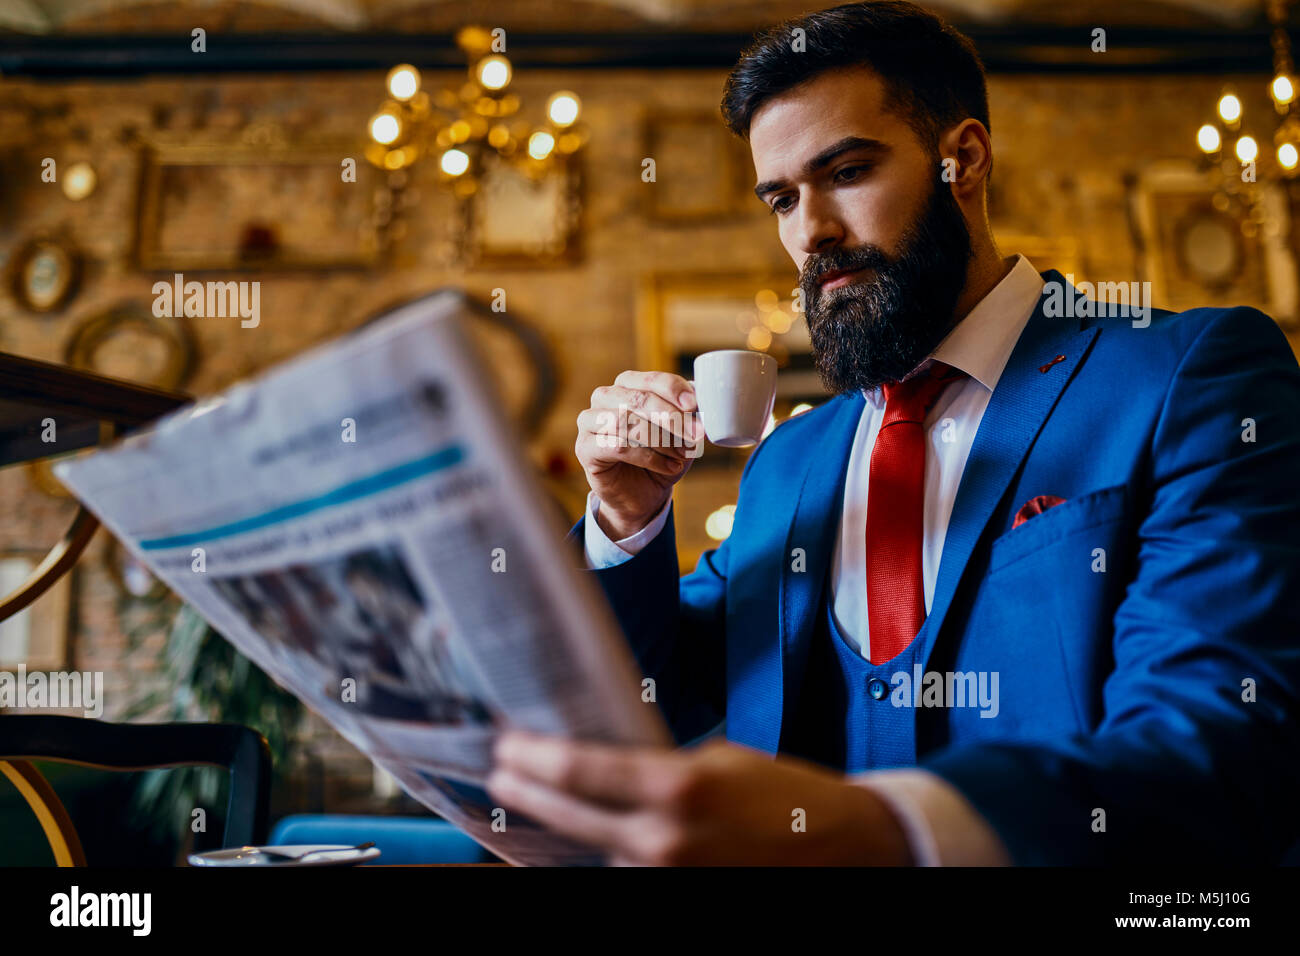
(877,688)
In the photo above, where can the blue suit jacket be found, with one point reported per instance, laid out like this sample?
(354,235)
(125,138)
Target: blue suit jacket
(1120,690)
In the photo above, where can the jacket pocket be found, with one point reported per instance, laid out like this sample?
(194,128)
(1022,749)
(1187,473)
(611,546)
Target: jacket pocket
(1077,514)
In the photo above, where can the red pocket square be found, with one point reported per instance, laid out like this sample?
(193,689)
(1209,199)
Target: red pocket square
(1035,506)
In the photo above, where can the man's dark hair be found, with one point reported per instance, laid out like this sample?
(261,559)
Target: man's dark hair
(932,74)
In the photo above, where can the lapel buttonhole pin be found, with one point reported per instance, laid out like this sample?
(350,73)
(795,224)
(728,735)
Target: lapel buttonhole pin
(1044,368)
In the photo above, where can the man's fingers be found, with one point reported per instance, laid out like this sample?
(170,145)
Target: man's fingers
(605,449)
(632,431)
(615,776)
(672,388)
(626,425)
(656,414)
(556,810)
(603,438)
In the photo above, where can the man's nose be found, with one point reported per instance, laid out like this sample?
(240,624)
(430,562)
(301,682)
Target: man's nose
(819,229)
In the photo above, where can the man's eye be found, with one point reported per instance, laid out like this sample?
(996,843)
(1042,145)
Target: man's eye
(846,175)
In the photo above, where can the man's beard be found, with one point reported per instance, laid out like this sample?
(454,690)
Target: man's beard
(881,325)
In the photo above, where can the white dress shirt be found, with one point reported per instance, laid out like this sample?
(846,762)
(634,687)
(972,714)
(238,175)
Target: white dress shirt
(942,826)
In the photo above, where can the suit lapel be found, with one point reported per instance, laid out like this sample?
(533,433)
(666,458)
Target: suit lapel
(1025,395)
(765,675)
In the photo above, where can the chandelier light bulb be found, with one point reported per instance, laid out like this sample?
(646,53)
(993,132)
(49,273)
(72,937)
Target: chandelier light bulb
(452,124)
(540,145)
(385,128)
(493,72)
(1288,157)
(1208,139)
(403,82)
(1247,149)
(1282,89)
(454,162)
(563,108)
(1229,108)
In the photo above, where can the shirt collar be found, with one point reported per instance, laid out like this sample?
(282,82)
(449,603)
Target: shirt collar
(981,343)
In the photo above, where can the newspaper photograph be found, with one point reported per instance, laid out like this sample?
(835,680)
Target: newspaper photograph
(361,523)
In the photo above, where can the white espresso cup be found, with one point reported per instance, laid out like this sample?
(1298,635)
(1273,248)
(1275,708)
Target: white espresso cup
(734,390)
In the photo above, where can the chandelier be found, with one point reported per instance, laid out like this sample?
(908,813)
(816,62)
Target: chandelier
(1244,169)
(471,126)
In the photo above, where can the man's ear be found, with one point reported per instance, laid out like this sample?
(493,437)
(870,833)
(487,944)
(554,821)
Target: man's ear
(966,157)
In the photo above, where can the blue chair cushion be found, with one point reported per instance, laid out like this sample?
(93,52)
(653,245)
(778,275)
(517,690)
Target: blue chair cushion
(399,839)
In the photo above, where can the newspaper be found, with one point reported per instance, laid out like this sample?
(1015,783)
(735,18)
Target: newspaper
(361,523)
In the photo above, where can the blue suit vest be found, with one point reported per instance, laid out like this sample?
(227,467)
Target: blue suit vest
(846,715)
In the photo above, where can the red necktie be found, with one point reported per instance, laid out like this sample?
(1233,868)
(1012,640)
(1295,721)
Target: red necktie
(896,512)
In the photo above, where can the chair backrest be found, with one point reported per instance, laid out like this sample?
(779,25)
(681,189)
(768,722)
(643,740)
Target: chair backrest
(95,743)
(90,409)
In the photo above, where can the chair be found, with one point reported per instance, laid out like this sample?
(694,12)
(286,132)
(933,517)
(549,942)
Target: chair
(90,410)
(399,839)
(95,743)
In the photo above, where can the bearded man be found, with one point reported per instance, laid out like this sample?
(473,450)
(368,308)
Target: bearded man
(1097,518)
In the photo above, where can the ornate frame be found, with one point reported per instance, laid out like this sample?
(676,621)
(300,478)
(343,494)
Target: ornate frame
(18,266)
(480,252)
(156,159)
(734,199)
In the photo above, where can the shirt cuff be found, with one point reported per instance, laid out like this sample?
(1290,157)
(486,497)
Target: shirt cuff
(603,553)
(942,828)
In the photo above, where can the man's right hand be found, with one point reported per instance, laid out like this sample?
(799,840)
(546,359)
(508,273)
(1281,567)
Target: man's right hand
(637,439)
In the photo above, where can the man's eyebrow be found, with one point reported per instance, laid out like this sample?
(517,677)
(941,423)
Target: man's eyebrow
(824,158)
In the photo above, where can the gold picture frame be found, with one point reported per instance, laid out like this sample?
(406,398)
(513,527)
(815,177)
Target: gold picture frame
(37,636)
(44,273)
(513,221)
(1194,253)
(176,363)
(310,218)
(702,171)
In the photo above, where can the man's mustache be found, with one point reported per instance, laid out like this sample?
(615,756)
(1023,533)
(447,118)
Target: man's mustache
(863,257)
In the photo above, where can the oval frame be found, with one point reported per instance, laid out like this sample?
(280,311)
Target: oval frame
(23,257)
